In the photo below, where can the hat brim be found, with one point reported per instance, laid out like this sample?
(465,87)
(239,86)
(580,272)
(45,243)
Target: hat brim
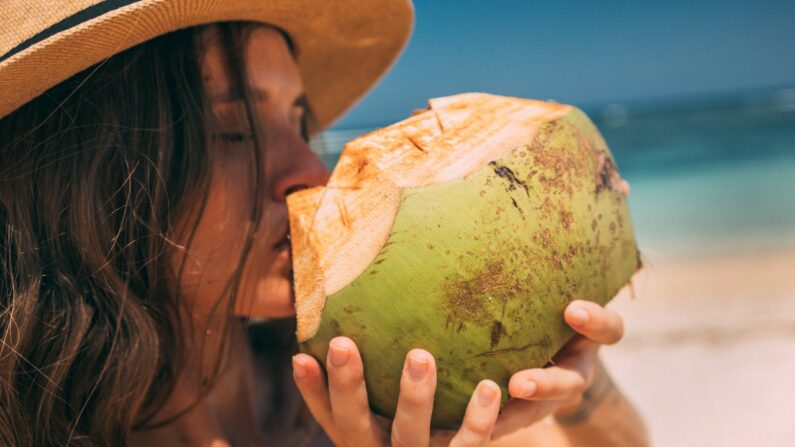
(343,46)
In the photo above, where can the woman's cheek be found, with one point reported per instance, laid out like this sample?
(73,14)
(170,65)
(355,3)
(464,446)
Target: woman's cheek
(213,248)
(266,288)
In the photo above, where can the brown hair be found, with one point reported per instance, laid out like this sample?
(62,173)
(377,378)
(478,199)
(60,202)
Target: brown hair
(92,176)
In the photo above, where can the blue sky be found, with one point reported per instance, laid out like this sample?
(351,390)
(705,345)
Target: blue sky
(585,52)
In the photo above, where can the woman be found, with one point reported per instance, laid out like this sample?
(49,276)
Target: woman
(142,202)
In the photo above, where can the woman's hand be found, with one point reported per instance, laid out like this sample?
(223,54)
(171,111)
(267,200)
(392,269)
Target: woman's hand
(341,407)
(558,389)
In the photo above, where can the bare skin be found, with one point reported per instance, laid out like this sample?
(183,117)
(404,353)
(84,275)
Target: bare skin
(340,405)
(229,413)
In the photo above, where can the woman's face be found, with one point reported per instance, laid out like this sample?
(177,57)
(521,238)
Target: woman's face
(289,164)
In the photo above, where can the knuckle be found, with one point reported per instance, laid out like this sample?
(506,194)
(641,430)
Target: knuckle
(352,424)
(414,398)
(356,376)
(400,439)
(347,380)
(600,325)
(480,427)
(544,385)
(579,384)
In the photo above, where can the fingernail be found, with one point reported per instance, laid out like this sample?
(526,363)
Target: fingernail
(337,355)
(578,315)
(487,393)
(417,366)
(529,389)
(299,370)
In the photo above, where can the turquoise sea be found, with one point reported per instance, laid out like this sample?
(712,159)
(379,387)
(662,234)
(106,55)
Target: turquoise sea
(708,175)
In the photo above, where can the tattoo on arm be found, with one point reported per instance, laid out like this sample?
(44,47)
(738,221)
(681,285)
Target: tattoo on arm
(591,397)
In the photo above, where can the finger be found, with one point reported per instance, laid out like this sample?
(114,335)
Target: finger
(441,438)
(579,352)
(412,423)
(623,186)
(348,395)
(581,355)
(595,322)
(312,385)
(480,416)
(553,383)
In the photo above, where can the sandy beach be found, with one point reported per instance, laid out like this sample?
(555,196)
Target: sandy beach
(709,351)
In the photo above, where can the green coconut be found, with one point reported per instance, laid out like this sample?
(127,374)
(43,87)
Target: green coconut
(464,230)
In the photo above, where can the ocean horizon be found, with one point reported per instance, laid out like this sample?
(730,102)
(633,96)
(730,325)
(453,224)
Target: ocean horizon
(709,174)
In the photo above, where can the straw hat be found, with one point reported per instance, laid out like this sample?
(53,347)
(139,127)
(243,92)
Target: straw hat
(344,46)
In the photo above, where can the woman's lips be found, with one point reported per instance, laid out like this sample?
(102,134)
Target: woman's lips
(283,248)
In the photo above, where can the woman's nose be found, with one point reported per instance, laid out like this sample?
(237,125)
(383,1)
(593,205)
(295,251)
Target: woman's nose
(300,168)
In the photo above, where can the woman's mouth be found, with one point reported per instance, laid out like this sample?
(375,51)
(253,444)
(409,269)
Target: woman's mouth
(283,248)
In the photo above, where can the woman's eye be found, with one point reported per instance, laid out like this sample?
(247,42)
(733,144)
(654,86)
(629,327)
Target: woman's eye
(232,137)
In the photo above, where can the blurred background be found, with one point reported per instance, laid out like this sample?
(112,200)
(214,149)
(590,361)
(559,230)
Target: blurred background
(697,102)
